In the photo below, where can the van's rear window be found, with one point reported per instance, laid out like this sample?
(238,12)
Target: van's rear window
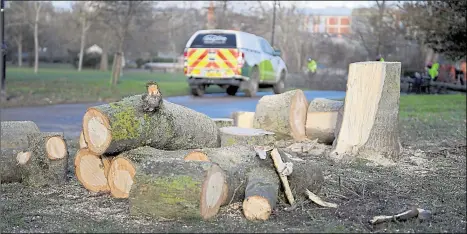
(214,40)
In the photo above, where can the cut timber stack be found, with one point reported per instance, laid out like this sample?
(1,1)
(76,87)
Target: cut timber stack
(321,119)
(245,136)
(243,119)
(370,122)
(124,125)
(284,114)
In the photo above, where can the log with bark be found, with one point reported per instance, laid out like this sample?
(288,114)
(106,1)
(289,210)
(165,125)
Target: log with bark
(14,133)
(48,163)
(243,119)
(91,170)
(371,112)
(82,141)
(10,160)
(321,119)
(223,122)
(124,125)
(245,136)
(340,116)
(284,114)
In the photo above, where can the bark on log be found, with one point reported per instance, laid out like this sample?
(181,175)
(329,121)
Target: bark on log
(123,125)
(245,136)
(321,119)
(370,122)
(340,116)
(9,164)
(284,114)
(14,133)
(82,141)
(243,119)
(168,187)
(260,193)
(223,122)
(48,164)
(92,170)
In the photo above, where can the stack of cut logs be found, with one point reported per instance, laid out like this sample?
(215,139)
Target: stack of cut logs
(32,157)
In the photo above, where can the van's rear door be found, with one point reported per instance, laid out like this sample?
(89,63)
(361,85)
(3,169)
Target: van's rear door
(213,55)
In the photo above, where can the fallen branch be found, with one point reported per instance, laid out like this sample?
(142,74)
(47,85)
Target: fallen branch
(412,213)
(314,198)
(280,165)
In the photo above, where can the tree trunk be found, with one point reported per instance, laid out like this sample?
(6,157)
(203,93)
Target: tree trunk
(284,114)
(49,160)
(121,126)
(245,136)
(84,29)
(36,39)
(19,44)
(243,119)
(321,119)
(105,51)
(370,122)
(14,133)
(92,170)
(118,63)
(9,164)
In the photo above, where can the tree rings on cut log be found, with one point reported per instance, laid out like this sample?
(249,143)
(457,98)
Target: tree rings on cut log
(92,171)
(283,114)
(124,125)
(245,136)
(10,161)
(174,188)
(243,119)
(56,148)
(321,119)
(82,141)
(14,134)
(223,122)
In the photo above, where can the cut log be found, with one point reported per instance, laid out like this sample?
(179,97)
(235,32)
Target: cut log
(48,164)
(10,159)
(243,119)
(321,119)
(91,171)
(14,133)
(371,112)
(82,141)
(260,193)
(223,122)
(245,136)
(123,125)
(168,187)
(284,114)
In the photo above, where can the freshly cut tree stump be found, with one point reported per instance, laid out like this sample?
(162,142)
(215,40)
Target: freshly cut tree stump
(245,136)
(123,125)
(261,193)
(321,119)
(243,119)
(14,133)
(92,171)
(168,187)
(223,122)
(48,162)
(82,141)
(371,112)
(10,160)
(284,114)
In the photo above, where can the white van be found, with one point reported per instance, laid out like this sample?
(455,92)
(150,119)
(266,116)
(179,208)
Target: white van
(233,60)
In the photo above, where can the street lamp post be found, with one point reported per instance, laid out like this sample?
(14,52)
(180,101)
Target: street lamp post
(3,49)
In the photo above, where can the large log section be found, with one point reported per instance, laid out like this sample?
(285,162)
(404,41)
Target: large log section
(321,119)
(371,112)
(14,134)
(123,125)
(283,114)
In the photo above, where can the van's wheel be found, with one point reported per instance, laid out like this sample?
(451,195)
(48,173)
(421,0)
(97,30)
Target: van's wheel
(232,90)
(197,91)
(252,83)
(279,87)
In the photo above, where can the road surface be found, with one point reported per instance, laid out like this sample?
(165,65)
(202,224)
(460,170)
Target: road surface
(67,118)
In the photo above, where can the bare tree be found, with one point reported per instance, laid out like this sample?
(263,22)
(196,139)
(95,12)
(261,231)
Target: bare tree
(16,28)
(31,12)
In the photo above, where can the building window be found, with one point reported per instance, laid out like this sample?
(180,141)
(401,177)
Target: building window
(345,30)
(332,21)
(345,21)
(332,30)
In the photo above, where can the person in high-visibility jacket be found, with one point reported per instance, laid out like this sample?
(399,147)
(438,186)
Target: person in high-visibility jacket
(433,71)
(379,58)
(312,65)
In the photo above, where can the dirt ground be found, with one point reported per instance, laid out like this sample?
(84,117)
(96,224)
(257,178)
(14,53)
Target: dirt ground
(431,174)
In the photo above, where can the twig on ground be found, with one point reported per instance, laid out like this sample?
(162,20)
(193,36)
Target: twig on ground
(412,213)
(314,198)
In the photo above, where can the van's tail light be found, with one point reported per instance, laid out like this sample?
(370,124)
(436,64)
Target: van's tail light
(240,62)
(185,61)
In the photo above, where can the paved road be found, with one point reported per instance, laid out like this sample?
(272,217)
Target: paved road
(68,117)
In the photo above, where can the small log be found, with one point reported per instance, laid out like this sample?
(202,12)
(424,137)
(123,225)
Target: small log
(370,124)
(284,114)
(168,188)
(10,159)
(243,119)
(120,126)
(82,141)
(261,193)
(223,122)
(92,170)
(14,133)
(245,136)
(321,119)
(48,164)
